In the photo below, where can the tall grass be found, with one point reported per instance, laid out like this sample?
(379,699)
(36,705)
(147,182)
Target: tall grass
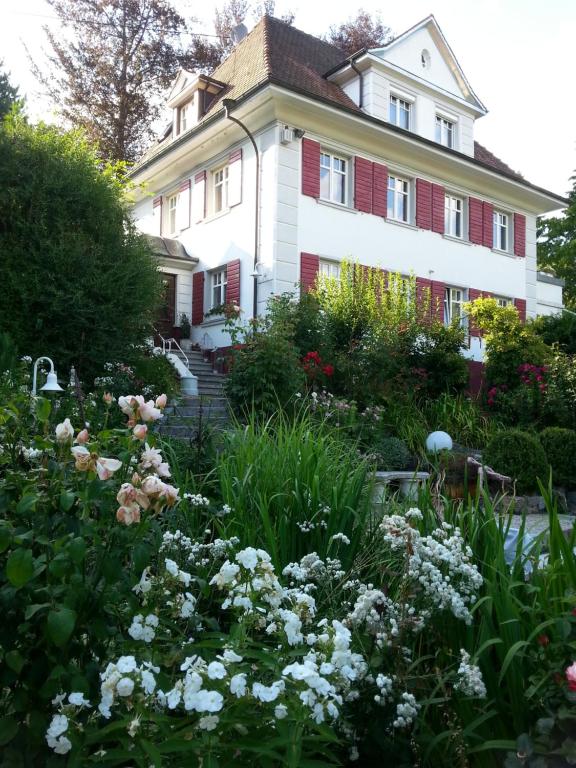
(519,602)
(293,484)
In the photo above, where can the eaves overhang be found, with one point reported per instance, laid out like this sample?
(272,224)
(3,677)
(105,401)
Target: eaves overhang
(549,200)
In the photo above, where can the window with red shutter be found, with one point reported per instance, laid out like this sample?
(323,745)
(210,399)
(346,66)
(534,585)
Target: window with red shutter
(438,200)
(233,282)
(363,184)
(310,168)
(423,204)
(519,234)
(198,298)
(488,225)
(379,190)
(309,267)
(475,221)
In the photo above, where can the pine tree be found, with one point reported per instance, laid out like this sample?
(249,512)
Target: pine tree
(8,93)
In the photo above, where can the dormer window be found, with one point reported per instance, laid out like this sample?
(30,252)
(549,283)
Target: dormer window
(185,116)
(445,131)
(400,112)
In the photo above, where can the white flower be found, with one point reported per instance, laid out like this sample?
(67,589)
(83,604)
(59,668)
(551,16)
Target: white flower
(208,722)
(58,726)
(126,664)
(125,686)
(238,685)
(64,431)
(280,711)
(248,558)
(61,746)
(470,680)
(78,700)
(216,670)
(230,655)
(205,701)
(267,693)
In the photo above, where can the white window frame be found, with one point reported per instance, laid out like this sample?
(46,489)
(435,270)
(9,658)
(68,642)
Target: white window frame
(171,212)
(455,296)
(401,188)
(501,224)
(445,131)
(218,283)
(219,180)
(400,102)
(329,269)
(329,162)
(453,214)
(503,301)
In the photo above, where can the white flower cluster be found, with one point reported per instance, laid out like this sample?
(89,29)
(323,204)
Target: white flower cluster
(32,455)
(470,680)
(440,565)
(406,711)
(196,499)
(197,553)
(143,628)
(122,678)
(312,569)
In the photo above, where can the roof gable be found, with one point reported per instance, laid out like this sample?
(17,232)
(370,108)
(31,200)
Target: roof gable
(442,71)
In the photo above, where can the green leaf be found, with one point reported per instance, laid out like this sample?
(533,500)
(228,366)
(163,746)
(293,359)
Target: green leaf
(8,729)
(510,657)
(15,661)
(5,537)
(67,499)
(77,550)
(31,610)
(26,503)
(43,409)
(20,567)
(60,625)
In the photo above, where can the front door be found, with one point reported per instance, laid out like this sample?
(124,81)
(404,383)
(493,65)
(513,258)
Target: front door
(166,317)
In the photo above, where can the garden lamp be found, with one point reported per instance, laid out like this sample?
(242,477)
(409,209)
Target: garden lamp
(438,441)
(51,381)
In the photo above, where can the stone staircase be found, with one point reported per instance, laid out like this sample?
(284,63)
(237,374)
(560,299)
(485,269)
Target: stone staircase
(189,414)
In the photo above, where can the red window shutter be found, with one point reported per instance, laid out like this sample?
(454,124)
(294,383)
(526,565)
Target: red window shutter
(363,182)
(487,225)
(473,294)
(309,268)
(519,234)
(423,204)
(233,282)
(520,305)
(379,190)
(476,377)
(475,225)
(198,297)
(438,203)
(310,168)
(437,300)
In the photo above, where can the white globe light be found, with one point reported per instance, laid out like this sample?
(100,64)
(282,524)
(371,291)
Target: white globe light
(438,441)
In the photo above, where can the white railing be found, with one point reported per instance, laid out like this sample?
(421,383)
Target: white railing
(167,347)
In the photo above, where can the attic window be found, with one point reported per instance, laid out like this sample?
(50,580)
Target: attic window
(425,59)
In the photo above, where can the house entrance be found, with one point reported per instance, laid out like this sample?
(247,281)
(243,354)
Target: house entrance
(166,318)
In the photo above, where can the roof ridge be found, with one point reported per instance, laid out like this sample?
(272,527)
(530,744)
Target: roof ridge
(265,20)
(317,39)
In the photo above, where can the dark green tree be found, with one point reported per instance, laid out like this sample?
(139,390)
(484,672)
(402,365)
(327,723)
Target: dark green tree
(79,283)
(363,31)
(8,93)
(557,247)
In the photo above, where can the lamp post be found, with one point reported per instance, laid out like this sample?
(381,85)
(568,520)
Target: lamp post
(51,382)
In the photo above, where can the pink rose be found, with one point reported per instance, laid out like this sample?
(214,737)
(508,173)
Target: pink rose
(161,401)
(82,437)
(571,676)
(140,431)
(129,514)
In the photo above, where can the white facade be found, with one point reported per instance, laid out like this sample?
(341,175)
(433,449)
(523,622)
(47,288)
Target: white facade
(293,222)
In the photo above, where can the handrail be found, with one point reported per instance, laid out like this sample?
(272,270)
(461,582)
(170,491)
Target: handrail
(167,346)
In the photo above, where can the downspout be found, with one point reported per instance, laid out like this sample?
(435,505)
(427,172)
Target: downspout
(228,105)
(360,76)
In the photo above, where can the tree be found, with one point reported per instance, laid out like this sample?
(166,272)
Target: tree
(209,55)
(79,283)
(8,93)
(110,76)
(364,31)
(557,247)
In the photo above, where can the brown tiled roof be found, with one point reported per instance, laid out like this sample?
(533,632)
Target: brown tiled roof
(484,155)
(277,52)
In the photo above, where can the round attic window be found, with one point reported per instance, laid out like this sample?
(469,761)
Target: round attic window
(425,59)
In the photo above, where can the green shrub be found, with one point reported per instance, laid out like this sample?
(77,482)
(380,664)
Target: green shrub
(558,329)
(79,282)
(519,455)
(8,353)
(391,454)
(560,447)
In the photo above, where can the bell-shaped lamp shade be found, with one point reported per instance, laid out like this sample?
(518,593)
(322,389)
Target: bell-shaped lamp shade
(51,384)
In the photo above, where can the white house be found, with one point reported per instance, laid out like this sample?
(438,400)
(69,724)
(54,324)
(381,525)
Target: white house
(291,157)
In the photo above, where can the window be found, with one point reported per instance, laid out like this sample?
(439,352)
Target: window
(333,178)
(445,131)
(398,199)
(330,269)
(184,114)
(504,302)
(172,206)
(400,112)
(454,298)
(501,227)
(218,288)
(453,214)
(220,189)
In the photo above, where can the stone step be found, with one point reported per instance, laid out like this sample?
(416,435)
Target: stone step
(186,412)
(184,432)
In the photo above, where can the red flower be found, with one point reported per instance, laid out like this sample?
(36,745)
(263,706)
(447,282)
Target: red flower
(328,370)
(543,640)
(313,356)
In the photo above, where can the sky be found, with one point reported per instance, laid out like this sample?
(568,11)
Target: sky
(516,54)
